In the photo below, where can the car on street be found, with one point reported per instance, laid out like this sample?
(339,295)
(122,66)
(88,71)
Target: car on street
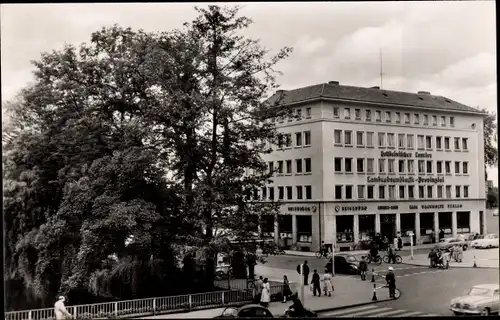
(344,263)
(474,243)
(489,241)
(483,299)
(248,311)
(449,243)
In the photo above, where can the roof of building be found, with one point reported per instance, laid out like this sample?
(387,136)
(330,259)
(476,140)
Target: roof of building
(335,91)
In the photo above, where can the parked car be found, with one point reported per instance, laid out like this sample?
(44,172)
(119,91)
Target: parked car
(449,243)
(482,300)
(344,263)
(489,241)
(474,243)
(248,311)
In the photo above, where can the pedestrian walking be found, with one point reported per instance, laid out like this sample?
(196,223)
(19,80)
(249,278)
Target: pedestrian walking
(286,289)
(433,237)
(60,309)
(266,294)
(391,255)
(363,267)
(391,282)
(258,289)
(327,283)
(400,243)
(460,254)
(316,283)
(305,270)
(433,258)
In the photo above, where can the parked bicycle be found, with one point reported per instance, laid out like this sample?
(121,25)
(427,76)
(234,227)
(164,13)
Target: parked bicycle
(397,258)
(323,253)
(377,260)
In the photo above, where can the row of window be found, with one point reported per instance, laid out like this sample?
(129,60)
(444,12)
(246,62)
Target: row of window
(302,166)
(404,141)
(297,115)
(284,193)
(393,117)
(346,165)
(346,192)
(302,139)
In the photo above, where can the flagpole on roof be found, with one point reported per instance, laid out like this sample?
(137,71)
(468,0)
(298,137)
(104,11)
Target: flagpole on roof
(381,70)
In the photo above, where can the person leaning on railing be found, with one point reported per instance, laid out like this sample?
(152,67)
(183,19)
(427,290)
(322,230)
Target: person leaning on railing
(60,309)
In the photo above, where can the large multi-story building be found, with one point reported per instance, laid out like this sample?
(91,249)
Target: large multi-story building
(353,162)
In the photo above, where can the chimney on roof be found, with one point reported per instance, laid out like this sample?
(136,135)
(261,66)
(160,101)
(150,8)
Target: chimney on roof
(424,92)
(376,87)
(333,82)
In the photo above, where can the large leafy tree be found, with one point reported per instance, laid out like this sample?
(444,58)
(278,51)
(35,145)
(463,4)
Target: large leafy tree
(490,140)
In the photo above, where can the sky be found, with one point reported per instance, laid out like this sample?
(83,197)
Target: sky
(447,48)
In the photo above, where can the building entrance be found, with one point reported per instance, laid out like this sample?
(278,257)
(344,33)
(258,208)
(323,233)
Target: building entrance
(388,226)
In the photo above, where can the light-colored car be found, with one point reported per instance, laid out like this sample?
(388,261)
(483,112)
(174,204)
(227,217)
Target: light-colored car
(474,243)
(483,299)
(449,243)
(489,241)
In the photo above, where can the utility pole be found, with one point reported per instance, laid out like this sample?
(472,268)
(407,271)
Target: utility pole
(381,70)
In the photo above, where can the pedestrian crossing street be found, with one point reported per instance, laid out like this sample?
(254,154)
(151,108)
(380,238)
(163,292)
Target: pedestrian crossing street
(372,311)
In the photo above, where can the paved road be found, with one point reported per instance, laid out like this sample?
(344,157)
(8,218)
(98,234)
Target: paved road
(374,310)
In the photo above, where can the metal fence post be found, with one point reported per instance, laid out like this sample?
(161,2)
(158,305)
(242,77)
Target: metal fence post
(75,312)
(30,316)
(154,306)
(223,293)
(190,302)
(115,307)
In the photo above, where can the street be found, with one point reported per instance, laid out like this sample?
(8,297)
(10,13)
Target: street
(423,290)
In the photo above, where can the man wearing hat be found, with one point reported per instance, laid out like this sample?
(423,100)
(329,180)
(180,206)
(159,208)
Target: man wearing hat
(60,309)
(391,282)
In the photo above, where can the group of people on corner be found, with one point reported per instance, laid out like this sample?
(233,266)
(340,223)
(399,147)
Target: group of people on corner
(263,291)
(442,258)
(316,280)
(389,277)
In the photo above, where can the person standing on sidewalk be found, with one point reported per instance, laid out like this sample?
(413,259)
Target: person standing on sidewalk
(286,289)
(266,294)
(305,272)
(60,309)
(316,283)
(391,255)
(327,283)
(363,266)
(391,282)
(258,288)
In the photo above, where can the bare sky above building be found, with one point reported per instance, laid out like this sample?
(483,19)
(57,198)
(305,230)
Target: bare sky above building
(447,48)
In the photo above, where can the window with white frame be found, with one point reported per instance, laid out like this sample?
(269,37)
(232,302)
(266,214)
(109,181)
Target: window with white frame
(359,138)
(407,117)
(440,191)
(439,167)
(280,167)
(281,193)
(447,143)
(426,119)
(288,140)
(443,121)
(289,193)
(448,192)
(411,192)
(390,140)
(308,192)
(381,165)
(338,164)
(307,138)
(381,192)
(348,137)
(299,192)
(439,143)
(411,166)
(368,115)
(410,141)
(271,193)
(263,193)
(465,167)
(452,122)
(357,114)
(370,192)
(298,166)
(457,144)
(420,142)
(457,167)
(401,192)
(390,165)
(421,166)
(337,137)
(360,165)
(398,117)
(378,115)
(392,192)
(338,192)
(288,166)
(457,191)
(361,191)
(348,165)
(299,114)
(416,118)
(348,192)
(401,166)
(298,139)
(347,113)
(388,117)
(465,146)
(336,112)
(270,167)
(381,140)
(307,165)
(428,142)
(434,121)
(466,191)
(401,140)
(421,192)
(429,166)
(447,167)
(308,113)
(430,191)
(369,139)
(370,165)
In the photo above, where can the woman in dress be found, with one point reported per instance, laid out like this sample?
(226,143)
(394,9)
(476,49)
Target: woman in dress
(286,289)
(327,283)
(266,294)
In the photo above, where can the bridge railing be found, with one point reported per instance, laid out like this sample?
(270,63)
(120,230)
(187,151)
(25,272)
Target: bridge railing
(146,307)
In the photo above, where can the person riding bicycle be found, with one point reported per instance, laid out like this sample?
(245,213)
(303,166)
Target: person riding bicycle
(373,251)
(390,254)
(391,282)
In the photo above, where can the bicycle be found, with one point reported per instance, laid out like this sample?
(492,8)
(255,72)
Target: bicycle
(397,258)
(397,293)
(377,260)
(323,253)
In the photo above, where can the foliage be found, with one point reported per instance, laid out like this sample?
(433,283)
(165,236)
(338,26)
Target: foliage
(490,139)
(492,198)
(136,136)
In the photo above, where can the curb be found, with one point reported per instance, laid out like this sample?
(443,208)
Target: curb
(357,304)
(462,267)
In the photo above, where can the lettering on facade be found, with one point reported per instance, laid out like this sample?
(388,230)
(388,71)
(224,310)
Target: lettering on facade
(350,208)
(403,179)
(302,209)
(387,207)
(402,154)
(435,206)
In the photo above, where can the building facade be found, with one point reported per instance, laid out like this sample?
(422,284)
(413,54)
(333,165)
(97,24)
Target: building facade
(353,162)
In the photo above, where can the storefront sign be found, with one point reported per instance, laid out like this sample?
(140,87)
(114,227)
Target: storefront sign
(402,154)
(435,206)
(404,179)
(387,207)
(350,208)
(302,209)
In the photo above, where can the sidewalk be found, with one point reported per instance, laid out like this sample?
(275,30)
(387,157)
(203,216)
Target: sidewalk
(347,292)
(484,259)
(313,254)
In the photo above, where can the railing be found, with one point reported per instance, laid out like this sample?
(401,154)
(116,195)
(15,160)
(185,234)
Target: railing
(146,307)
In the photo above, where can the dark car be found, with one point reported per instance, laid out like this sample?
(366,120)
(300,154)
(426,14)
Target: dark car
(344,263)
(248,311)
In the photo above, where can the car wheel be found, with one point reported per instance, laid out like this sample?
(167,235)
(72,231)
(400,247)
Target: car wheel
(485,312)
